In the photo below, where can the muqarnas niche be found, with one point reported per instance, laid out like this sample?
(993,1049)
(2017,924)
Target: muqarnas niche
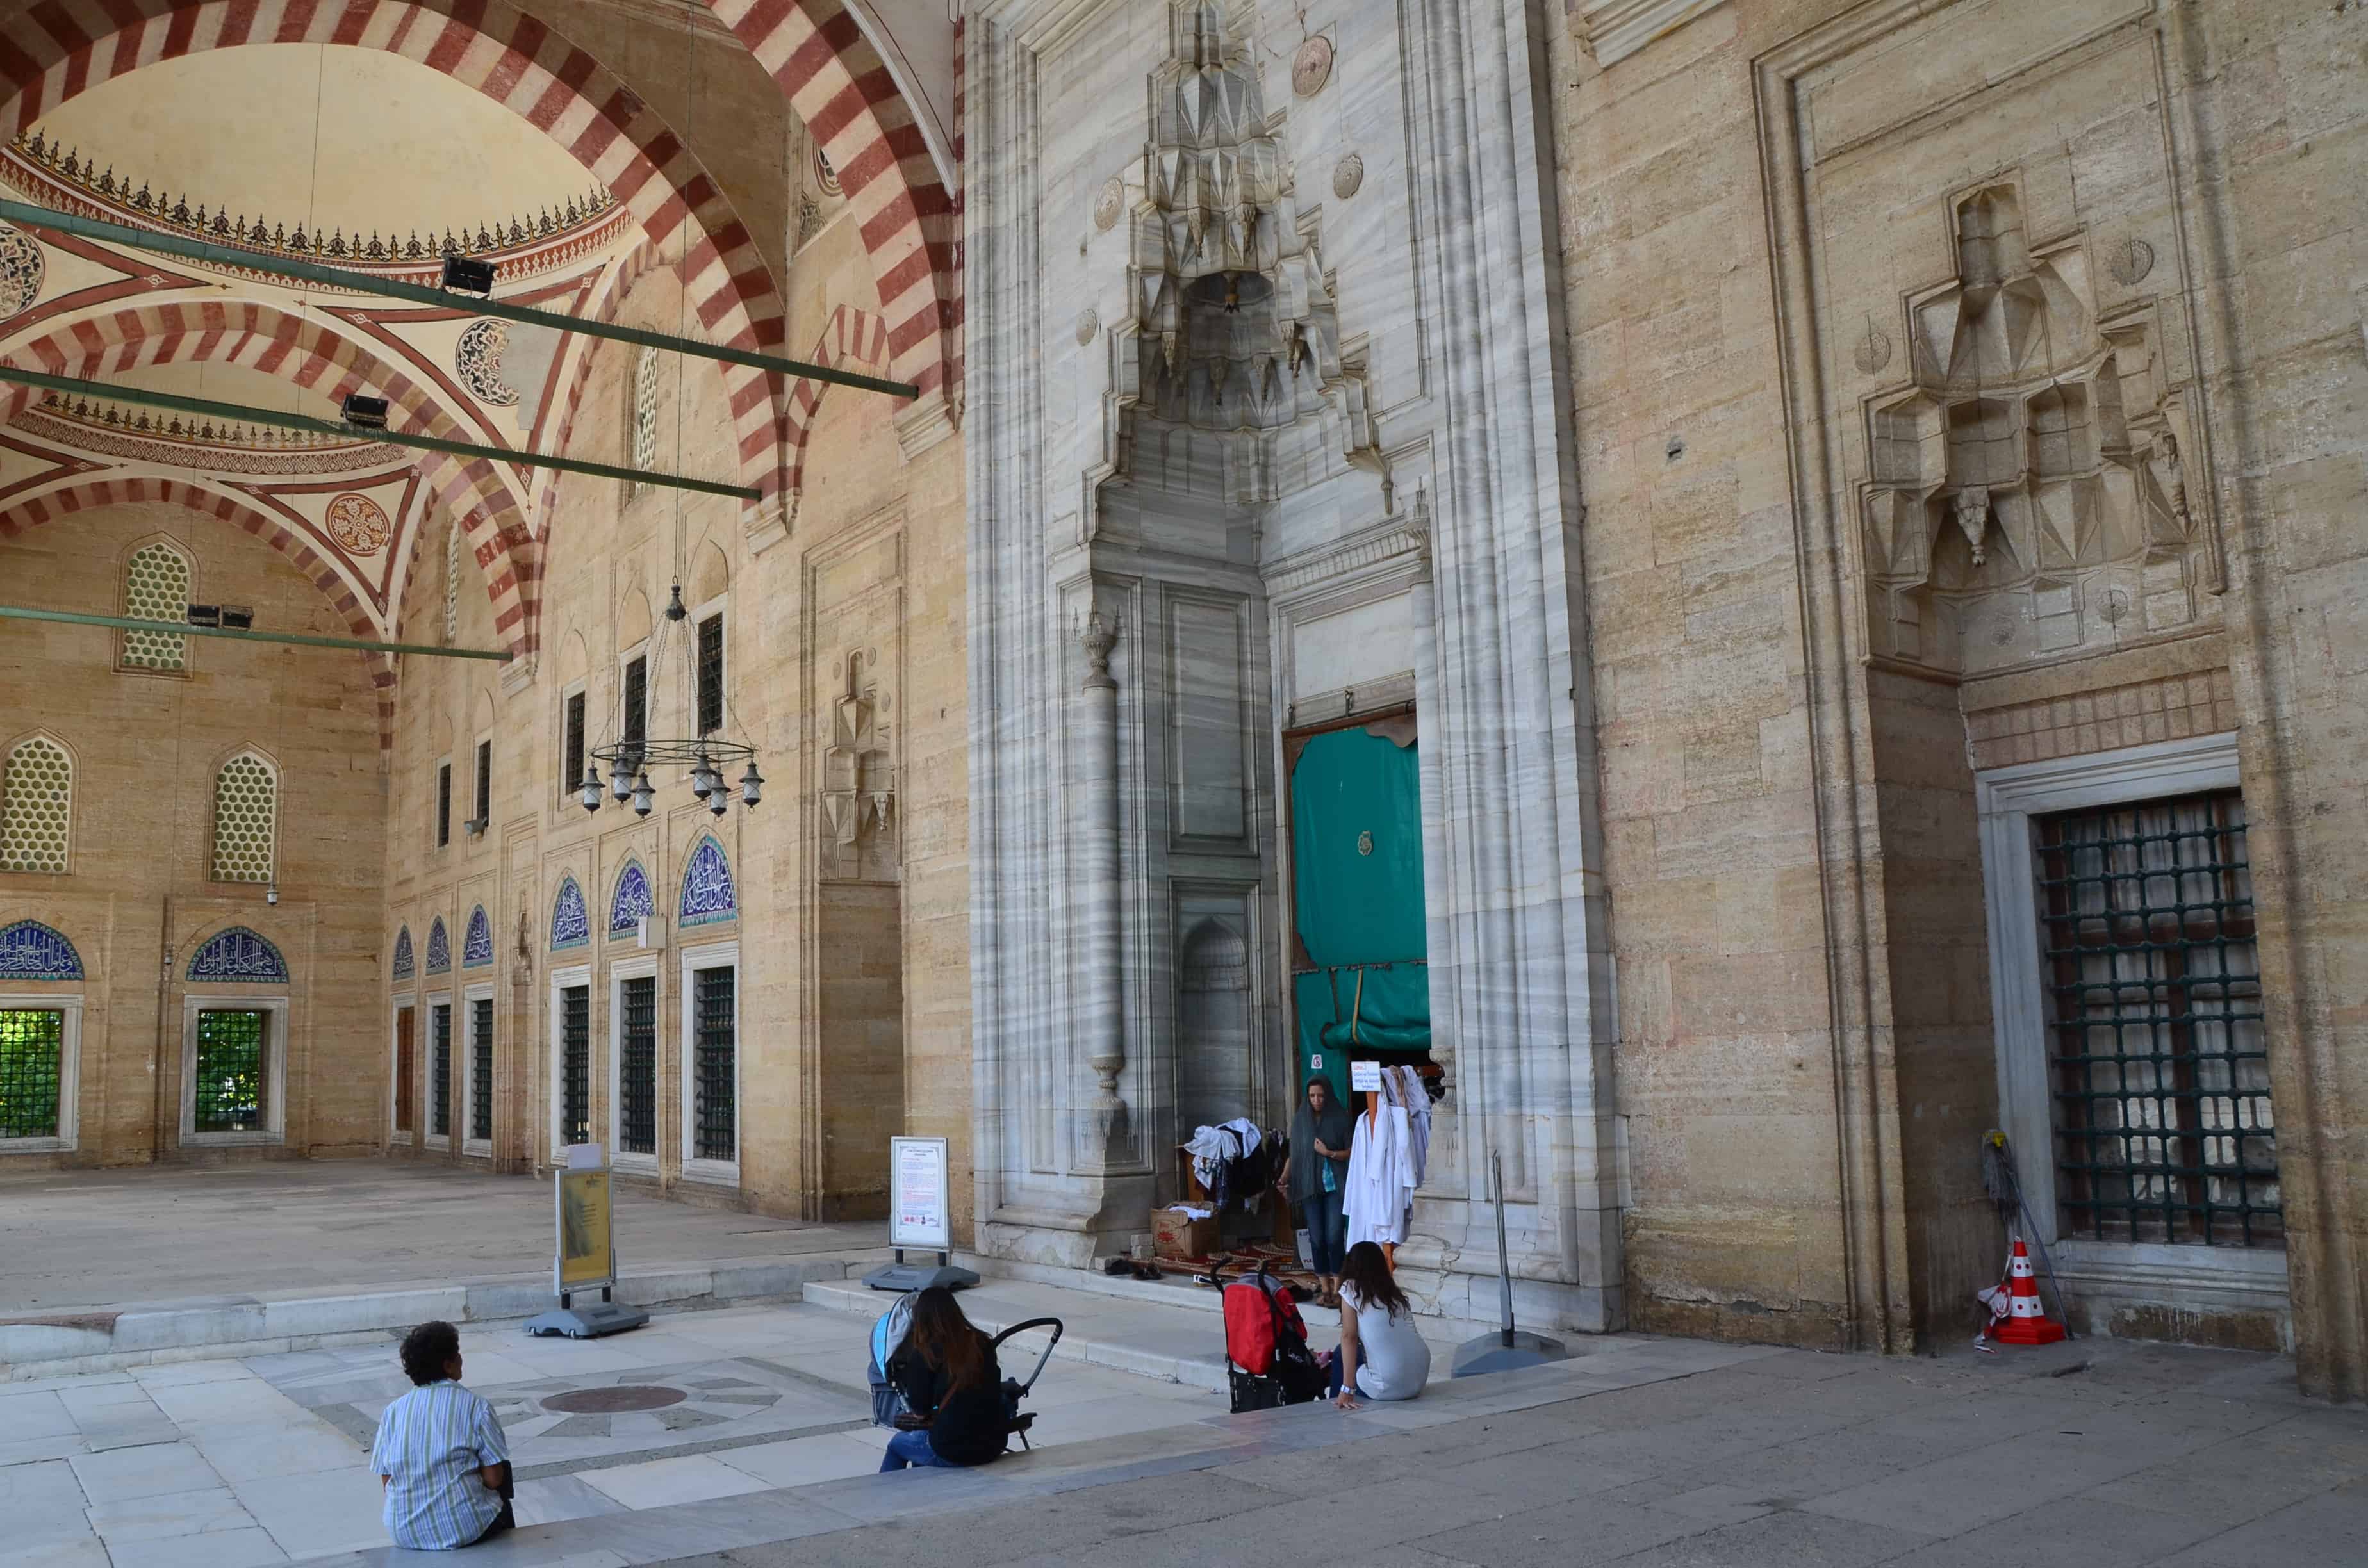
(2027,499)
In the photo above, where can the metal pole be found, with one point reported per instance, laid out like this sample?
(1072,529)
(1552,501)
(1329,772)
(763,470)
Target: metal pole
(125,623)
(213,410)
(366,283)
(1504,1257)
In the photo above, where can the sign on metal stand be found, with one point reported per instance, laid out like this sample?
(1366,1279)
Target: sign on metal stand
(584,1257)
(919,1217)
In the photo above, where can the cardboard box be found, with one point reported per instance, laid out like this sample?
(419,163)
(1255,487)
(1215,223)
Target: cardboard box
(1174,1235)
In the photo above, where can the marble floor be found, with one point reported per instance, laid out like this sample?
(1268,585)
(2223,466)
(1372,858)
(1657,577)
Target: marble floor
(227,1463)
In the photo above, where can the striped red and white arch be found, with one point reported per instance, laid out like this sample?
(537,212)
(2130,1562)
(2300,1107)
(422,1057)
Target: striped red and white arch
(89,493)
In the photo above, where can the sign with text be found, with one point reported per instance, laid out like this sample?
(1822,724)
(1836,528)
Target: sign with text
(1365,1077)
(917,1194)
(587,1240)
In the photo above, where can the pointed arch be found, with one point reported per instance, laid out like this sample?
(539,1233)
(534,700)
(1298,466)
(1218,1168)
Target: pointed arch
(246,836)
(708,894)
(159,576)
(440,948)
(37,781)
(237,955)
(850,338)
(33,511)
(477,940)
(52,52)
(630,904)
(570,923)
(301,349)
(404,967)
(30,950)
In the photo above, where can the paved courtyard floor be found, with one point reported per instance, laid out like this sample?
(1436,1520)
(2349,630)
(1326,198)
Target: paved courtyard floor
(740,1437)
(75,1239)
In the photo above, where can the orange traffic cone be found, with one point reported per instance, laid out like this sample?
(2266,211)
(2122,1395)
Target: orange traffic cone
(2027,1321)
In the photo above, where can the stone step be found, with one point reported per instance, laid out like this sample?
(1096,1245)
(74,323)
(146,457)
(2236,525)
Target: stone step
(1158,1339)
(110,1339)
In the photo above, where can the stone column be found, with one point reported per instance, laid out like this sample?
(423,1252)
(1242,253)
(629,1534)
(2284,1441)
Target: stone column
(1101,1000)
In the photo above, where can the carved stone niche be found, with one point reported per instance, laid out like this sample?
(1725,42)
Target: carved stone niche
(2025,500)
(1232,332)
(858,779)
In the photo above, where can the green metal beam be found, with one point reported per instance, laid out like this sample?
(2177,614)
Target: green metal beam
(125,623)
(355,432)
(420,294)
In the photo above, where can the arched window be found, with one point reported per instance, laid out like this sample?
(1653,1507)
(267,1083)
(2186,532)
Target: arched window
(452,583)
(36,806)
(246,820)
(645,416)
(156,587)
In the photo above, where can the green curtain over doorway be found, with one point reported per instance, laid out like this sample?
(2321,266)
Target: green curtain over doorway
(1356,837)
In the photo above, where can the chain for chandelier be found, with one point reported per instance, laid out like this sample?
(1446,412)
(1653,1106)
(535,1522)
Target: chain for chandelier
(706,752)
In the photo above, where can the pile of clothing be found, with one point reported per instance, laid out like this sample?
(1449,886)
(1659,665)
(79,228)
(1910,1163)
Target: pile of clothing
(1386,1159)
(1236,1162)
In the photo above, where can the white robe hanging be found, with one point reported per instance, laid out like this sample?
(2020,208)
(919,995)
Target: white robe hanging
(1377,1190)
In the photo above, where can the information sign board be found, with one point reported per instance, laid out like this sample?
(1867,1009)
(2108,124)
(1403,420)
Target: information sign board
(917,1195)
(587,1239)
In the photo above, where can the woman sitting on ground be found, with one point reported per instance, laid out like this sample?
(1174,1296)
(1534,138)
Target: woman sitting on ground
(1377,1333)
(954,1410)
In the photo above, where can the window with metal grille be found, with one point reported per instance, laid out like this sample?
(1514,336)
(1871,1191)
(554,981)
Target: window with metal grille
(481,1068)
(576,1064)
(230,1060)
(2163,1126)
(484,784)
(443,804)
(403,1070)
(637,702)
(637,1067)
(571,761)
(713,1084)
(711,675)
(32,1056)
(440,1070)
(156,587)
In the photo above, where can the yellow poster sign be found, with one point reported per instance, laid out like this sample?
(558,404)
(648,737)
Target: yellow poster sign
(586,1251)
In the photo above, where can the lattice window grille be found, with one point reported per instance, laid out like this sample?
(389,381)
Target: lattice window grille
(576,1064)
(32,1060)
(645,419)
(481,1068)
(440,1070)
(36,807)
(714,1086)
(2164,1129)
(231,1061)
(637,1067)
(156,587)
(711,675)
(571,761)
(246,820)
(452,583)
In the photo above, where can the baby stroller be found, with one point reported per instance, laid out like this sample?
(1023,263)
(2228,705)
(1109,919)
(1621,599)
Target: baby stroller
(1267,1360)
(889,1333)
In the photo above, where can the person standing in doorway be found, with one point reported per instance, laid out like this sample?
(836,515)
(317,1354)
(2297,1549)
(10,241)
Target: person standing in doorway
(1315,1173)
(440,1454)
(1381,1355)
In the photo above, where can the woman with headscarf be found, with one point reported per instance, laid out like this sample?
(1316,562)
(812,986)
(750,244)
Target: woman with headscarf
(1315,1173)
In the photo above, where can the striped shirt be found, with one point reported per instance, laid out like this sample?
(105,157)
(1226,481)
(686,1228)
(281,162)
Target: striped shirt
(431,1444)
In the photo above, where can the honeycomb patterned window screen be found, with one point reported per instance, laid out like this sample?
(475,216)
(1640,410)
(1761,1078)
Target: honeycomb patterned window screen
(36,807)
(246,820)
(646,418)
(156,587)
(452,583)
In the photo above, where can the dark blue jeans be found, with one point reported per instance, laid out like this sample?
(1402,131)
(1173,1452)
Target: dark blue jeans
(913,1448)
(1327,1231)
(1340,1371)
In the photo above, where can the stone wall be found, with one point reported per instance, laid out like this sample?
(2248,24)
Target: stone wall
(138,898)
(1813,631)
(867,564)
